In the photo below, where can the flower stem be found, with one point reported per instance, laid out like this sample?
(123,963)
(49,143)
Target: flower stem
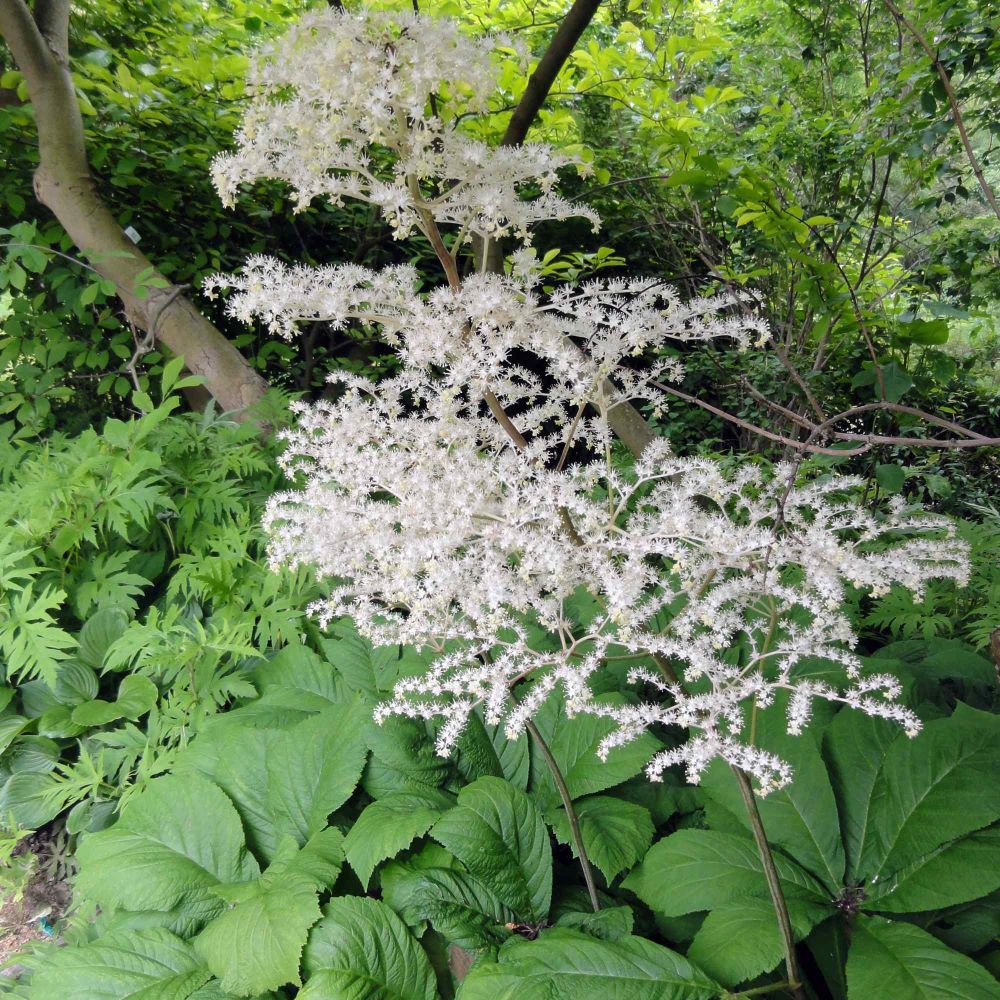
(773,884)
(758,991)
(574,822)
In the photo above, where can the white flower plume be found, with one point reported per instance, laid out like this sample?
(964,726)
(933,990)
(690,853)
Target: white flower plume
(473,503)
(342,89)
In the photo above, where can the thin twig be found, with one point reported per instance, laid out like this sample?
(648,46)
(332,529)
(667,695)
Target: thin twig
(956,112)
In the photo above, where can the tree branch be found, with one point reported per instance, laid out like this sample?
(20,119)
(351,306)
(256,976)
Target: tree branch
(956,112)
(553,59)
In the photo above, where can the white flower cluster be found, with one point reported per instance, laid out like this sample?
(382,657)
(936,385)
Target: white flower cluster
(473,504)
(475,337)
(351,105)
(438,538)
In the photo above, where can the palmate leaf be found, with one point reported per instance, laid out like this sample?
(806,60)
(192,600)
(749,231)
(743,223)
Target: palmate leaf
(361,950)
(403,759)
(456,904)
(485,750)
(615,833)
(693,870)
(740,940)
(256,944)
(297,677)
(855,746)
(135,965)
(389,825)
(800,818)
(959,872)
(890,959)
(173,845)
(567,965)
(498,834)
(932,790)
(611,923)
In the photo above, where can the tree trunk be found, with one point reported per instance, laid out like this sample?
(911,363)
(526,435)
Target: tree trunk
(64,183)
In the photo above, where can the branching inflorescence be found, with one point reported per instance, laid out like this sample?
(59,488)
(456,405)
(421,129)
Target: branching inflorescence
(466,503)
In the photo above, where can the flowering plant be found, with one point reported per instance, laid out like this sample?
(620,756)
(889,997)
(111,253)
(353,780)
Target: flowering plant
(462,504)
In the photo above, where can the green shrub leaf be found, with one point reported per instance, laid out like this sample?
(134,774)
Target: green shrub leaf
(458,906)
(256,944)
(289,781)
(740,940)
(574,744)
(800,818)
(695,870)
(138,965)
(389,825)
(955,873)
(616,834)
(933,789)
(171,847)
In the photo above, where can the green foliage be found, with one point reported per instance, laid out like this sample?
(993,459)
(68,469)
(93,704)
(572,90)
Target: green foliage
(568,965)
(887,826)
(133,599)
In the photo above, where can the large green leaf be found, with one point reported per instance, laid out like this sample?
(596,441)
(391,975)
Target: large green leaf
(136,696)
(485,750)
(300,679)
(567,965)
(574,743)
(497,833)
(403,759)
(694,870)
(933,789)
(98,633)
(10,729)
(955,873)
(615,833)
(137,965)
(23,798)
(76,683)
(459,907)
(897,960)
(389,825)
(611,923)
(361,950)
(289,781)
(256,944)
(855,746)
(800,818)
(368,670)
(740,940)
(171,847)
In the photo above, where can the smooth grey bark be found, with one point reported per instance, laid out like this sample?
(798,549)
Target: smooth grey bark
(38,42)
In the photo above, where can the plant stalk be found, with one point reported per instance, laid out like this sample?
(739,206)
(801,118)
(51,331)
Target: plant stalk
(574,822)
(758,991)
(773,884)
